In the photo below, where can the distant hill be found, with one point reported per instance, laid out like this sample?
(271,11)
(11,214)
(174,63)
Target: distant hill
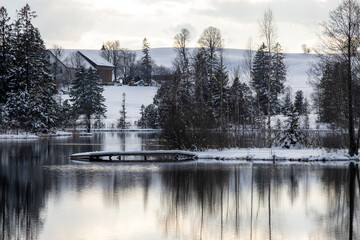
(297,63)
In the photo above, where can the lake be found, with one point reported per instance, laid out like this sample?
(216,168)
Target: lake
(44,195)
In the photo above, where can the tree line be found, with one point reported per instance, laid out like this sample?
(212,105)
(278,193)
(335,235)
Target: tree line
(203,101)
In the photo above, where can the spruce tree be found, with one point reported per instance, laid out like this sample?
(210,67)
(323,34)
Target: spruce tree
(152,119)
(278,78)
(6,54)
(142,120)
(86,96)
(240,102)
(30,105)
(122,121)
(292,136)
(287,103)
(260,78)
(146,64)
(299,102)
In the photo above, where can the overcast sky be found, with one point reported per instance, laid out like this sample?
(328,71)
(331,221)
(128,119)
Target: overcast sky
(86,24)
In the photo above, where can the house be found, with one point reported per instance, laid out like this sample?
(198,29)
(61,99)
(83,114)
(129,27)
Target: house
(66,61)
(104,68)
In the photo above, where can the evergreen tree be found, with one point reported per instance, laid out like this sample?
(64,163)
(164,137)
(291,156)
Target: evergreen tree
(299,102)
(146,63)
(287,103)
(43,109)
(260,78)
(240,103)
(142,121)
(292,137)
(219,96)
(30,102)
(67,116)
(151,115)
(6,54)
(86,96)
(122,121)
(278,78)
(306,112)
(268,77)
(332,105)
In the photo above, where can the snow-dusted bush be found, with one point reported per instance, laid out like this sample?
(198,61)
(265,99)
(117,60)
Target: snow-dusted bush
(292,136)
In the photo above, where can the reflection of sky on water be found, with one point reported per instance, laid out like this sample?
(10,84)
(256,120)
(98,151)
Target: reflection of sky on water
(130,141)
(133,201)
(45,196)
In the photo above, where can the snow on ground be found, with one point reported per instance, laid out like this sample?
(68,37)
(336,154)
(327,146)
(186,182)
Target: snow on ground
(135,97)
(18,136)
(298,66)
(279,153)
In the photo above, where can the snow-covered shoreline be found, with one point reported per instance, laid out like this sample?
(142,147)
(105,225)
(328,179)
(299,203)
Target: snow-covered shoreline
(233,154)
(279,154)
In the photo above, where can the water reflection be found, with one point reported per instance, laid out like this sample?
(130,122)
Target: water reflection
(44,196)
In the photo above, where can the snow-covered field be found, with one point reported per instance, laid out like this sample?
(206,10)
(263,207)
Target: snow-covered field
(135,97)
(298,65)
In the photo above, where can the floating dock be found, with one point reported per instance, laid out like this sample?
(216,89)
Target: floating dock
(136,156)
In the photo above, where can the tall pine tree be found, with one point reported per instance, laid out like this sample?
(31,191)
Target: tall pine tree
(146,64)
(30,103)
(86,96)
(260,78)
(6,54)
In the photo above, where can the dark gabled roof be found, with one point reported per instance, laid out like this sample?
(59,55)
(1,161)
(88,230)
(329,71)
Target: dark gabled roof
(94,58)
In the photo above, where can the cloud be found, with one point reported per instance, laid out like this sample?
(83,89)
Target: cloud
(87,23)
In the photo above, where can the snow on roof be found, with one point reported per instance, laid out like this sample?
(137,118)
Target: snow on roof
(67,58)
(95,57)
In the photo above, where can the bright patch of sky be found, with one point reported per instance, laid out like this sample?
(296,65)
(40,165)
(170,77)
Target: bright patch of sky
(86,24)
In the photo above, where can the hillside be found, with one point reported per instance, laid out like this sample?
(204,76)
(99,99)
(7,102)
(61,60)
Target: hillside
(298,65)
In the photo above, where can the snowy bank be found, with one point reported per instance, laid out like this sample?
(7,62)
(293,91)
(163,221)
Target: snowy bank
(280,154)
(18,136)
(135,97)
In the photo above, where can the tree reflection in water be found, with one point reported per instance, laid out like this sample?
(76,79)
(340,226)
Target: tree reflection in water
(255,201)
(186,201)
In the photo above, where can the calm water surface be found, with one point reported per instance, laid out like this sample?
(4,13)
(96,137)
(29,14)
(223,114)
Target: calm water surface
(46,196)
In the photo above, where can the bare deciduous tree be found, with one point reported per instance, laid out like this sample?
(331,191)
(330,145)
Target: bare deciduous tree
(112,52)
(181,41)
(305,48)
(248,58)
(340,43)
(268,31)
(56,68)
(212,41)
